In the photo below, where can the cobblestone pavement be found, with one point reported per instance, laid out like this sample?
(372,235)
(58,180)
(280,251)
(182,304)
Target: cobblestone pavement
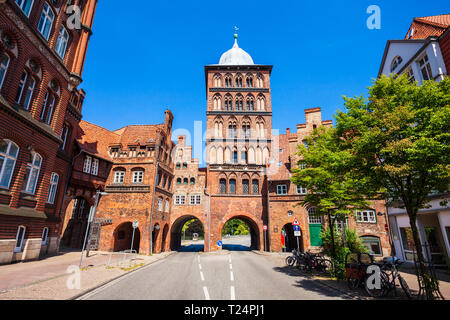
(47,279)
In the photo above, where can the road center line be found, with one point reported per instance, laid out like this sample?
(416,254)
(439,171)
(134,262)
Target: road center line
(205,290)
(233,294)
(201,276)
(200,266)
(231,266)
(231,276)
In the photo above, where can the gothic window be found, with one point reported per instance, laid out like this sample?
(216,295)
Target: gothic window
(244,156)
(46,21)
(228,81)
(260,81)
(228,103)
(217,80)
(249,81)
(217,103)
(192,180)
(239,103)
(185,181)
(255,186)
(245,186)
(8,156)
(239,81)
(250,103)
(235,157)
(260,104)
(246,130)
(232,186)
(223,186)
(160,204)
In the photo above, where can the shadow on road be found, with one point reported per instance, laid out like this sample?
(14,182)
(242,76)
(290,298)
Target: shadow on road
(235,247)
(191,248)
(314,285)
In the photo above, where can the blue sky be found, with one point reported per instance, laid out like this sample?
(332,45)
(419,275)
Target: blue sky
(143,59)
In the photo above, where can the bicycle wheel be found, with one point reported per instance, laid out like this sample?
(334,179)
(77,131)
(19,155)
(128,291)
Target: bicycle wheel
(290,261)
(353,277)
(405,287)
(377,292)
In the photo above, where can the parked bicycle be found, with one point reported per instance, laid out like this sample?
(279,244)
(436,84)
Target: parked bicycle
(389,274)
(309,262)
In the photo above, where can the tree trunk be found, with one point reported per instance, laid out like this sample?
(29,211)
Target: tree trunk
(424,274)
(333,249)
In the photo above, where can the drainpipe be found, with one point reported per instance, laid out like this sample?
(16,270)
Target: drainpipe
(153,199)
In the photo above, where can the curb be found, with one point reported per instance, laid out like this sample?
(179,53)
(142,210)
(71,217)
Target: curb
(115,278)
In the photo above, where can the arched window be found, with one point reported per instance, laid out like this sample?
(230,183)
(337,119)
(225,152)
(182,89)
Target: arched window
(8,156)
(396,62)
(185,181)
(261,103)
(238,81)
(245,186)
(223,186)
(255,186)
(249,81)
(179,181)
(219,155)
(251,155)
(232,186)
(46,21)
(260,81)
(50,102)
(228,81)
(239,102)
(32,173)
(244,156)
(44,236)
(235,156)
(250,103)
(61,44)
(53,188)
(25,5)
(217,80)
(19,239)
(232,129)
(4,64)
(166,207)
(160,204)
(217,102)
(228,102)
(246,130)
(192,180)
(212,155)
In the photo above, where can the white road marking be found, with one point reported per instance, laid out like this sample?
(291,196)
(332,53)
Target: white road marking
(201,276)
(231,266)
(200,266)
(233,294)
(231,276)
(205,290)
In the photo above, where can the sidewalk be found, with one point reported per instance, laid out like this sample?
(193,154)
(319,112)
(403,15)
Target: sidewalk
(341,285)
(47,279)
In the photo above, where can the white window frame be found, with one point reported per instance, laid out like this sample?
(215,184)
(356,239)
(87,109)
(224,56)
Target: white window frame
(20,247)
(74,208)
(301,190)
(46,19)
(29,93)
(426,66)
(280,188)
(119,176)
(53,188)
(44,233)
(22,83)
(138,176)
(366,216)
(22,3)
(64,134)
(87,164)
(195,199)
(61,44)
(94,167)
(8,157)
(33,168)
(166,206)
(180,199)
(313,218)
(4,67)
(160,204)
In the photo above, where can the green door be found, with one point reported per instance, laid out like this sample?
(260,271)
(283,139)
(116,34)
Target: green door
(314,235)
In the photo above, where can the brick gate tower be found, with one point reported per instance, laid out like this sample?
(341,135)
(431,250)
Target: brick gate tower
(238,143)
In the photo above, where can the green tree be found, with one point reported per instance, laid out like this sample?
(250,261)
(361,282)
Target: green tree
(235,227)
(399,141)
(333,188)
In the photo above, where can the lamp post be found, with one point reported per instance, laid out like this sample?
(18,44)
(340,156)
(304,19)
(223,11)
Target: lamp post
(157,148)
(90,219)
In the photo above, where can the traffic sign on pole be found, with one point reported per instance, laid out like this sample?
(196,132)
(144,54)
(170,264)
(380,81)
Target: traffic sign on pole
(296,223)
(264,227)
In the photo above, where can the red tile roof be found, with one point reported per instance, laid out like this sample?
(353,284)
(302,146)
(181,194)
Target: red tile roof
(425,27)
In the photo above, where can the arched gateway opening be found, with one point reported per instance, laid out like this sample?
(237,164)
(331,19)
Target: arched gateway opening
(123,236)
(240,234)
(289,241)
(187,234)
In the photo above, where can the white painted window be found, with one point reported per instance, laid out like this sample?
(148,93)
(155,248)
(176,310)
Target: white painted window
(425,68)
(22,82)
(87,164)
(313,217)
(46,21)
(410,74)
(64,134)
(44,236)
(74,208)
(32,173)
(301,190)
(180,200)
(195,199)
(29,93)
(119,176)
(281,189)
(8,156)
(94,169)
(61,44)
(19,239)
(166,207)
(25,5)
(138,176)
(160,204)
(368,216)
(4,63)
(53,188)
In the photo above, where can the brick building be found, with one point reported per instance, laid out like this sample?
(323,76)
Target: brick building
(41,65)
(139,185)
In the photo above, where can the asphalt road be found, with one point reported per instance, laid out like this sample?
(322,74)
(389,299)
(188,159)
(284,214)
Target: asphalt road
(230,275)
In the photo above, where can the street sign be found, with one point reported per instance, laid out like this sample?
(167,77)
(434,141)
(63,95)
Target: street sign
(296,223)
(297,233)
(219,243)
(296,228)
(135,224)
(264,227)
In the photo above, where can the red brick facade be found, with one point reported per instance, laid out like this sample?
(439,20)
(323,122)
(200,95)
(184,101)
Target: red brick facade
(39,102)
